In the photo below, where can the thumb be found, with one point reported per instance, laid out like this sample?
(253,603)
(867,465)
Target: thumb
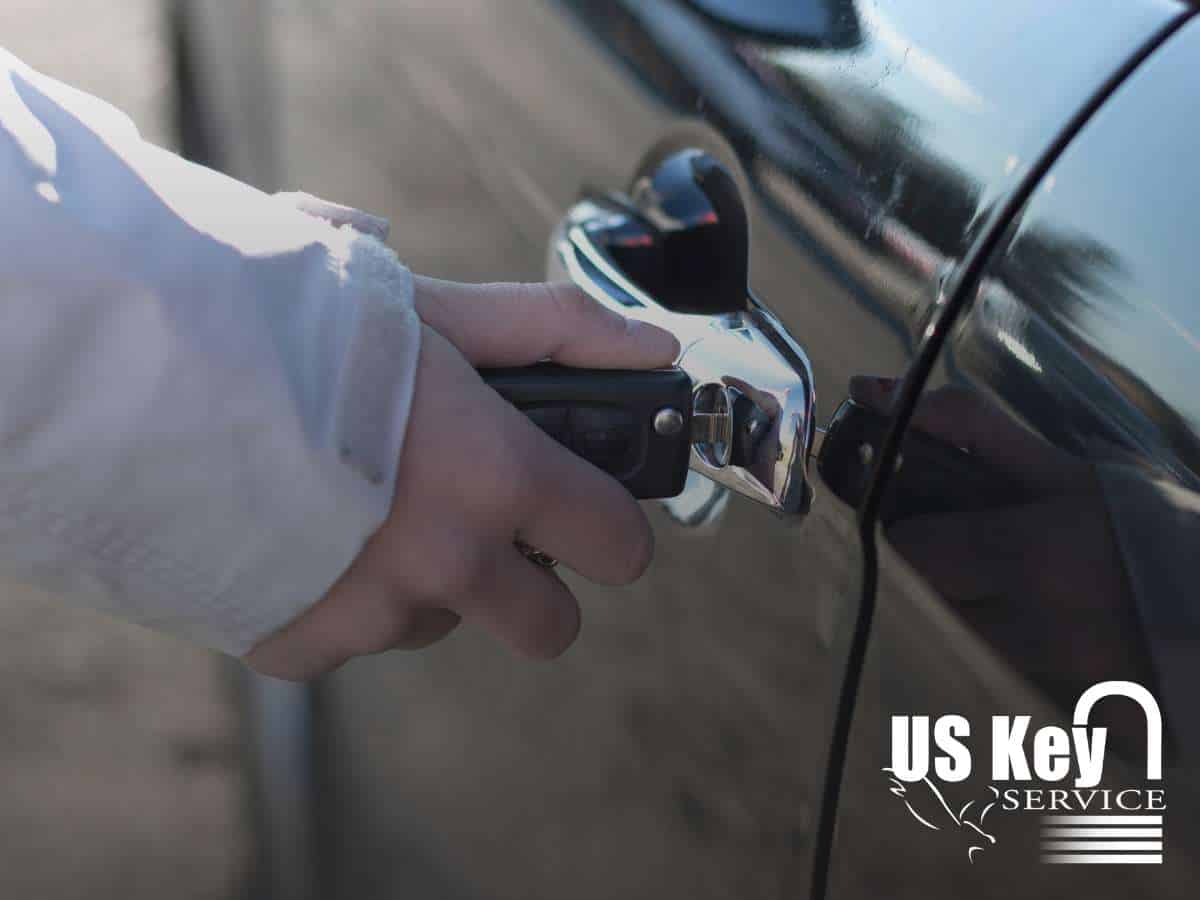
(520,324)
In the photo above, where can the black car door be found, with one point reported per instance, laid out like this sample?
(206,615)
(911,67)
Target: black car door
(682,748)
(1070,372)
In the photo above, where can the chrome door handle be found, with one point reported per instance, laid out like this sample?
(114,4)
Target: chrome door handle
(745,368)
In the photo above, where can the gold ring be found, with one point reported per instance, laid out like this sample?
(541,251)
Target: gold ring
(534,555)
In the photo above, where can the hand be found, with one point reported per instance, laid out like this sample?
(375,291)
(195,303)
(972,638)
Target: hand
(474,476)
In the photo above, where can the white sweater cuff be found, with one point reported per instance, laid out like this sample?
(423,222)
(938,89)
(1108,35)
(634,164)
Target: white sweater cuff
(314,540)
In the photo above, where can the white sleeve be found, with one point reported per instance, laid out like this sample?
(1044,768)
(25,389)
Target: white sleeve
(203,390)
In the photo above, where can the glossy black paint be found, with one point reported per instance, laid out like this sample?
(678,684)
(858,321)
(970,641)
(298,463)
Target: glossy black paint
(682,748)
(880,161)
(1072,369)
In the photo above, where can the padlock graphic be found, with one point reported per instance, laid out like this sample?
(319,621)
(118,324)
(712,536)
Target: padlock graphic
(1139,695)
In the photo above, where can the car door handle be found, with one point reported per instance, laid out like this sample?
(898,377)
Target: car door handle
(673,252)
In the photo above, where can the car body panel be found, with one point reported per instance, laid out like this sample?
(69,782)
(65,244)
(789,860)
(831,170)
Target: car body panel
(1077,352)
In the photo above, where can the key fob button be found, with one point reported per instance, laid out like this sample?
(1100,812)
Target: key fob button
(604,436)
(610,450)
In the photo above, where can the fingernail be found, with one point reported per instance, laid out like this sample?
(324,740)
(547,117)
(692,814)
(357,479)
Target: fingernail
(660,346)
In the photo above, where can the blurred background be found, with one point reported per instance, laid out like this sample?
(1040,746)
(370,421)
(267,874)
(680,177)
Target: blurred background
(119,753)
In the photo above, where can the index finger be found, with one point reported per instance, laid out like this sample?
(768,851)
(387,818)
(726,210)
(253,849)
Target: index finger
(521,324)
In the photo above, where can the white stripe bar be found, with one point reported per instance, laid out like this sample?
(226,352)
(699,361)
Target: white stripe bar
(1115,859)
(1101,820)
(1156,846)
(1051,832)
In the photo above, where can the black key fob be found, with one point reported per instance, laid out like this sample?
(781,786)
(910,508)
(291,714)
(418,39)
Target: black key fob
(933,476)
(635,425)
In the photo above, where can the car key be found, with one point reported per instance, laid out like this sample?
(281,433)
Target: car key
(635,425)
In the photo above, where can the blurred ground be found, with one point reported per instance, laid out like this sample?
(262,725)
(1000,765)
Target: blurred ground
(118,773)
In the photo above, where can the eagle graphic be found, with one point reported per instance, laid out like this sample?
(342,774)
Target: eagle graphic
(934,809)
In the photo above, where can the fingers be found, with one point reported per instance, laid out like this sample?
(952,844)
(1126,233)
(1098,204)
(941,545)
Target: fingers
(579,515)
(426,627)
(520,324)
(761,399)
(360,615)
(567,507)
(525,605)
(475,466)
